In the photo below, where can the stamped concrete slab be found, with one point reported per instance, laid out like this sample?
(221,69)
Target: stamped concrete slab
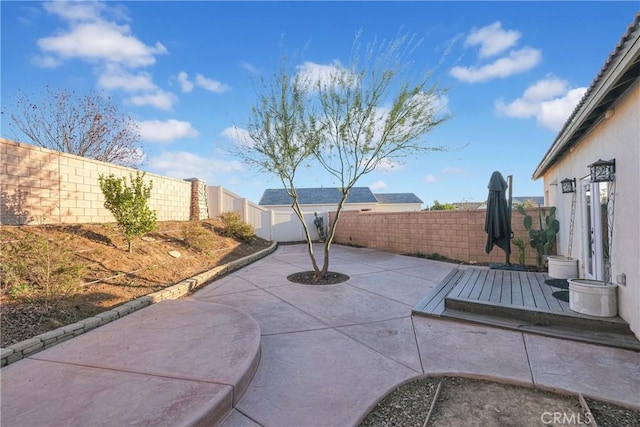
(434,271)
(237,419)
(43,394)
(393,338)
(605,373)
(318,378)
(272,314)
(394,285)
(392,261)
(226,285)
(341,305)
(184,339)
(264,278)
(477,351)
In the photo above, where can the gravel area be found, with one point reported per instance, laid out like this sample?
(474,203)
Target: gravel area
(467,402)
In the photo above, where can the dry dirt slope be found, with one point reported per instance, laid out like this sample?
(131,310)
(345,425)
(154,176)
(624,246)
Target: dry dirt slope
(110,276)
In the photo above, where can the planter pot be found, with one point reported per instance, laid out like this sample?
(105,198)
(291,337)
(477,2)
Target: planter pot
(593,297)
(561,267)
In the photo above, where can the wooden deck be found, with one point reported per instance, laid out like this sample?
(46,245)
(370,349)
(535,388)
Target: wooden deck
(522,301)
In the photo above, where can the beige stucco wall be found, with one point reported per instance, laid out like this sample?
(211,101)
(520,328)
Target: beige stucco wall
(615,138)
(38,185)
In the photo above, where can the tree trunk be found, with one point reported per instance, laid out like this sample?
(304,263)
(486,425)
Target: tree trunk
(330,236)
(296,209)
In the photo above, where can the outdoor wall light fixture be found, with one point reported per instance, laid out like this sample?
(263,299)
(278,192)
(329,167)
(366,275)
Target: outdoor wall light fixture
(568,185)
(603,170)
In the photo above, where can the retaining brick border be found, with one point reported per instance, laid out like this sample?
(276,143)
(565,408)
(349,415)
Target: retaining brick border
(30,346)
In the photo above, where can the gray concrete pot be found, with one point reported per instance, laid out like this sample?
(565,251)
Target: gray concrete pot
(561,267)
(593,297)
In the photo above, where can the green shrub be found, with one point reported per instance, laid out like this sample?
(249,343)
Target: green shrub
(195,236)
(128,204)
(35,269)
(236,228)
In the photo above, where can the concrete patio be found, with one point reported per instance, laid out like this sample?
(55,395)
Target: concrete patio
(327,354)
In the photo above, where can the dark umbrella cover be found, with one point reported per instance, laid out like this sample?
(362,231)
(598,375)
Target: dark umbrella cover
(497,223)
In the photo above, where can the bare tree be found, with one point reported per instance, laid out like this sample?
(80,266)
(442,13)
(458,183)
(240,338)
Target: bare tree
(281,135)
(88,126)
(349,122)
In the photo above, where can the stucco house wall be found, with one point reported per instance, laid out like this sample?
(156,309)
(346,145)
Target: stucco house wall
(618,138)
(604,125)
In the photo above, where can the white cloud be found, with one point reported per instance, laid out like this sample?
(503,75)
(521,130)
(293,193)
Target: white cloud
(250,68)
(46,61)
(550,101)
(429,179)
(166,131)
(93,35)
(554,113)
(546,88)
(492,39)
(102,41)
(185,84)
(239,136)
(211,85)
(115,77)
(378,185)
(74,10)
(388,165)
(436,104)
(311,75)
(516,62)
(159,99)
(182,165)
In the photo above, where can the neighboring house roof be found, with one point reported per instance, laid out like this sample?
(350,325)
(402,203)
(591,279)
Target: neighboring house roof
(392,198)
(536,200)
(316,196)
(620,71)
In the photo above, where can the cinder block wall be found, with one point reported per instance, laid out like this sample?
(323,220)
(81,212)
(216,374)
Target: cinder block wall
(455,234)
(38,185)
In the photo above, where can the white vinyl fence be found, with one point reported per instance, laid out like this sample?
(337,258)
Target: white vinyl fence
(269,224)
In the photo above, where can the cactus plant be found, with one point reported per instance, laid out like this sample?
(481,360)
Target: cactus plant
(543,238)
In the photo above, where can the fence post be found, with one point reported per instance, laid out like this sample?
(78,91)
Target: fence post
(245,210)
(199,209)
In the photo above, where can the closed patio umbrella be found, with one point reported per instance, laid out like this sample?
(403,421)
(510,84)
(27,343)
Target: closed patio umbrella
(497,222)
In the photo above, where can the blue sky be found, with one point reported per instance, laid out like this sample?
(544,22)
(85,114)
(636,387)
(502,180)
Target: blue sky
(186,72)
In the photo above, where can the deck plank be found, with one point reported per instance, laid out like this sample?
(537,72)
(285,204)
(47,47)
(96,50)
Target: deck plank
(487,284)
(538,293)
(507,283)
(516,289)
(527,294)
(433,303)
(496,286)
(552,302)
(465,285)
(477,289)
